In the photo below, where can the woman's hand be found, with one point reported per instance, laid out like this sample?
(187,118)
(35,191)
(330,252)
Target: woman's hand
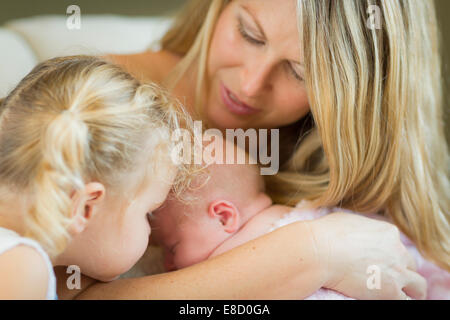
(357,251)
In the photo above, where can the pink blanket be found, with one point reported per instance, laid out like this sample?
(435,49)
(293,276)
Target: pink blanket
(438,280)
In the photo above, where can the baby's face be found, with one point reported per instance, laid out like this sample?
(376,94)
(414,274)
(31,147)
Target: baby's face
(190,232)
(186,237)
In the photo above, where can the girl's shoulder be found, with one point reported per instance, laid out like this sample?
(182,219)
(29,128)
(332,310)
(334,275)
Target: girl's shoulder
(26,271)
(23,274)
(148,65)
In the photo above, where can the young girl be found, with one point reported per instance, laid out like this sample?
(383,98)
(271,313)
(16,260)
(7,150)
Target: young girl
(79,141)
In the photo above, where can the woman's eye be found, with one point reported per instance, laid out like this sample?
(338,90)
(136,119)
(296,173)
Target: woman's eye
(295,74)
(246,36)
(254,41)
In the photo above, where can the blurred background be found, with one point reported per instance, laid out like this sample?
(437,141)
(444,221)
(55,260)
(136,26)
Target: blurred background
(13,9)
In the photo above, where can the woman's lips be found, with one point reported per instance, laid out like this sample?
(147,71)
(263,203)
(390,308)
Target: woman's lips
(234,106)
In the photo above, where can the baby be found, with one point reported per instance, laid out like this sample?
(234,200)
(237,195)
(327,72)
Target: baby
(229,207)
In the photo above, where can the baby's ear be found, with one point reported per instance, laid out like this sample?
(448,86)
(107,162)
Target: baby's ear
(226,213)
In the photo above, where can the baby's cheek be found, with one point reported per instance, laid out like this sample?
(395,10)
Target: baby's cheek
(189,255)
(169,264)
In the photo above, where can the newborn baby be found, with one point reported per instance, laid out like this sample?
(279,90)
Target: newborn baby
(228,207)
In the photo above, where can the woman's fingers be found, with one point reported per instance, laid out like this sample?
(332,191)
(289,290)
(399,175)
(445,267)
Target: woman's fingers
(368,242)
(415,285)
(410,261)
(404,296)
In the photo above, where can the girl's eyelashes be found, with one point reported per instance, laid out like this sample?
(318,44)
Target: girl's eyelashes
(254,41)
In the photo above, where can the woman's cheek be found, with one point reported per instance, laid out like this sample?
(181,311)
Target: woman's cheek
(226,47)
(292,101)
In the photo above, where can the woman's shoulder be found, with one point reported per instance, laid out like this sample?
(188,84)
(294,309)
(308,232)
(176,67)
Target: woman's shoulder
(148,65)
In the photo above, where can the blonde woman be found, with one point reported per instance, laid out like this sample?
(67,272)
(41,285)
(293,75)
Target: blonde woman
(354,87)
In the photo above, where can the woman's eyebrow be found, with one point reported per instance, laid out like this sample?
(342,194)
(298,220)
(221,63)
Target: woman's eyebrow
(261,29)
(254,19)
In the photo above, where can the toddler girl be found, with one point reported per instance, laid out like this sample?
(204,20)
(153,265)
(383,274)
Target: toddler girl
(84,159)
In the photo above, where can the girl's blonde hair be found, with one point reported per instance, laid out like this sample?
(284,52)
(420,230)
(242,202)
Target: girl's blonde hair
(376,142)
(73,120)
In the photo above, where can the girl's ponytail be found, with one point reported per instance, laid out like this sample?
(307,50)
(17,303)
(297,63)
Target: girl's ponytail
(66,148)
(72,120)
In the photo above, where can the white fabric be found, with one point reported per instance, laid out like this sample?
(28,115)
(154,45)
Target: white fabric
(50,37)
(25,42)
(10,239)
(16,60)
(294,215)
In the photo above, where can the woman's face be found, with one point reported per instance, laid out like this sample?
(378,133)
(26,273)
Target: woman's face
(255,55)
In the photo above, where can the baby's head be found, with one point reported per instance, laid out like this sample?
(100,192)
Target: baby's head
(216,206)
(84,149)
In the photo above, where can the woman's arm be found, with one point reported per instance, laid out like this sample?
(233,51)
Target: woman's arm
(292,262)
(251,271)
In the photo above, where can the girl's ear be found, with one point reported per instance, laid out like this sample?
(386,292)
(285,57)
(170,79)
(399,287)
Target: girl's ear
(226,213)
(84,206)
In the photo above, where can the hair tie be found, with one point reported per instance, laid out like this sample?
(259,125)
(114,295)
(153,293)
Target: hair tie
(69,115)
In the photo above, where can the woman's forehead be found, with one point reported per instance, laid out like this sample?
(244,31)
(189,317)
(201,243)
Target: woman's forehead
(277,20)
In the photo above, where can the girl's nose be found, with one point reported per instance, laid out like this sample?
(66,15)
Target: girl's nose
(168,262)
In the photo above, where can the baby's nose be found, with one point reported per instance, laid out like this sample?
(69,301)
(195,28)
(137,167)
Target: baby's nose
(168,262)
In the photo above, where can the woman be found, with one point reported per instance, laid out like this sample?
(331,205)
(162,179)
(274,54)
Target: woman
(359,109)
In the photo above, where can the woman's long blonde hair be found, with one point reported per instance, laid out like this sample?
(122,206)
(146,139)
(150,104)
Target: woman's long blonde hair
(70,121)
(377,141)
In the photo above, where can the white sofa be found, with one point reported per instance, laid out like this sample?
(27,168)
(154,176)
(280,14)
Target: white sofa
(26,42)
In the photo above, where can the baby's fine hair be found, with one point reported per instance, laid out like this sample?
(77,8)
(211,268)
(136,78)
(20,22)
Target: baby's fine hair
(72,120)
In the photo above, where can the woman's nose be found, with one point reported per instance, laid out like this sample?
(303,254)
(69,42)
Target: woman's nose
(168,262)
(255,79)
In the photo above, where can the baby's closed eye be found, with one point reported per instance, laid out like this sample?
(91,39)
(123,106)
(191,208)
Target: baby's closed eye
(172,248)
